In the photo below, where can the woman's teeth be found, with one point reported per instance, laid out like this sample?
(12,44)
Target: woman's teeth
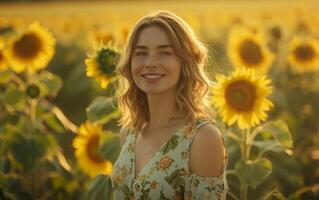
(153,76)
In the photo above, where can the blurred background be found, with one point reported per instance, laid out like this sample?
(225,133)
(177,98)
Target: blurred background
(30,170)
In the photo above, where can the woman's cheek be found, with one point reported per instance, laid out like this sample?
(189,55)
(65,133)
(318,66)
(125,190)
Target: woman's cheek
(136,68)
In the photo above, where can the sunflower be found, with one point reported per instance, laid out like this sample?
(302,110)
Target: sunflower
(3,60)
(102,64)
(304,54)
(86,146)
(247,49)
(241,98)
(32,50)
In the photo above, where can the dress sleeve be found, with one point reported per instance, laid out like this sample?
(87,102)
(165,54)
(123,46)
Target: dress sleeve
(206,188)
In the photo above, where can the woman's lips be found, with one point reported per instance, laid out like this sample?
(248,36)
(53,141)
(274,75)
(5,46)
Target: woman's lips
(152,78)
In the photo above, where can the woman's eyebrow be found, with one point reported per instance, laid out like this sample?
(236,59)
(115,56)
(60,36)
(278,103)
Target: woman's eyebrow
(140,47)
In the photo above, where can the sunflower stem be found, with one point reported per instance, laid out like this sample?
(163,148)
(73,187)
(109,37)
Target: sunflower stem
(18,81)
(232,173)
(245,151)
(299,192)
(64,120)
(33,107)
(234,137)
(254,133)
(232,195)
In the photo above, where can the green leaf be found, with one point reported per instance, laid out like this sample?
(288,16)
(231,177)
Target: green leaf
(100,188)
(13,96)
(52,121)
(5,76)
(280,131)
(49,83)
(267,145)
(287,168)
(175,179)
(102,109)
(254,172)
(110,147)
(170,145)
(27,150)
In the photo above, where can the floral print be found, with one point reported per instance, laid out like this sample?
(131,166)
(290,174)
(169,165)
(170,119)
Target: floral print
(166,176)
(164,163)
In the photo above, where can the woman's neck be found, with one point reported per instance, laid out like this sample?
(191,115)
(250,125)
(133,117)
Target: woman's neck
(163,111)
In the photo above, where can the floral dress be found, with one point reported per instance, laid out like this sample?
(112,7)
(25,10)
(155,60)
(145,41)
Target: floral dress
(166,175)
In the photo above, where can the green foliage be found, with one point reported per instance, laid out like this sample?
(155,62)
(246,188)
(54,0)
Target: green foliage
(110,147)
(13,96)
(252,169)
(102,110)
(27,149)
(31,158)
(50,84)
(254,172)
(100,188)
(279,130)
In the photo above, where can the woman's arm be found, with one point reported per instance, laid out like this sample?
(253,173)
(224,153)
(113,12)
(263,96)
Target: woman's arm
(207,152)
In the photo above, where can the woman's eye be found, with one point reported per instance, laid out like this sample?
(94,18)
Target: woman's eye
(141,53)
(165,53)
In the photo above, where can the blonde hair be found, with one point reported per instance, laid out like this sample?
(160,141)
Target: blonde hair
(193,86)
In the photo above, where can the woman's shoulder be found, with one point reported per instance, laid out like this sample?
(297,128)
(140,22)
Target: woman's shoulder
(207,139)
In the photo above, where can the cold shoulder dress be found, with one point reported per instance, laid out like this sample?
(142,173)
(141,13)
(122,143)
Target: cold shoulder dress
(166,175)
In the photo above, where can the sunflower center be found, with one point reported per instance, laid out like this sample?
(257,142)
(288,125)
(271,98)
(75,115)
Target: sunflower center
(1,57)
(28,46)
(241,95)
(107,60)
(93,149)
(304,52)
(276,32)
(250,52)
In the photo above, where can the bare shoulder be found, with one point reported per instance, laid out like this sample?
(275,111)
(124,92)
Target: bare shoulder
(207,151)
(122,135)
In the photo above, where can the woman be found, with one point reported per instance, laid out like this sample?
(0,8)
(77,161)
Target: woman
(171,148)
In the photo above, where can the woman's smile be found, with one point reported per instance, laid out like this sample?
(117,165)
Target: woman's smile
(153,78)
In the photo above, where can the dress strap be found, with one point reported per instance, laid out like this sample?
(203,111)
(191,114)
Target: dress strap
(199,123)
(128,135)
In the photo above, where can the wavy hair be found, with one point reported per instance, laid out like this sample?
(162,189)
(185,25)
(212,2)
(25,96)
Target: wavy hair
(193,86)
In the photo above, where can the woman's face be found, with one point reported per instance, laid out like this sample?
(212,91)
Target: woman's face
(154,55)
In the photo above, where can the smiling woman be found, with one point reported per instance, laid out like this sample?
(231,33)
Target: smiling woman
(167,126)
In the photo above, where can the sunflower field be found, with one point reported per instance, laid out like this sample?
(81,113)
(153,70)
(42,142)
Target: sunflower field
(58,100)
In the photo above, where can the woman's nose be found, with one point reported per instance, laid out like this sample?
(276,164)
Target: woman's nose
(151,61)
